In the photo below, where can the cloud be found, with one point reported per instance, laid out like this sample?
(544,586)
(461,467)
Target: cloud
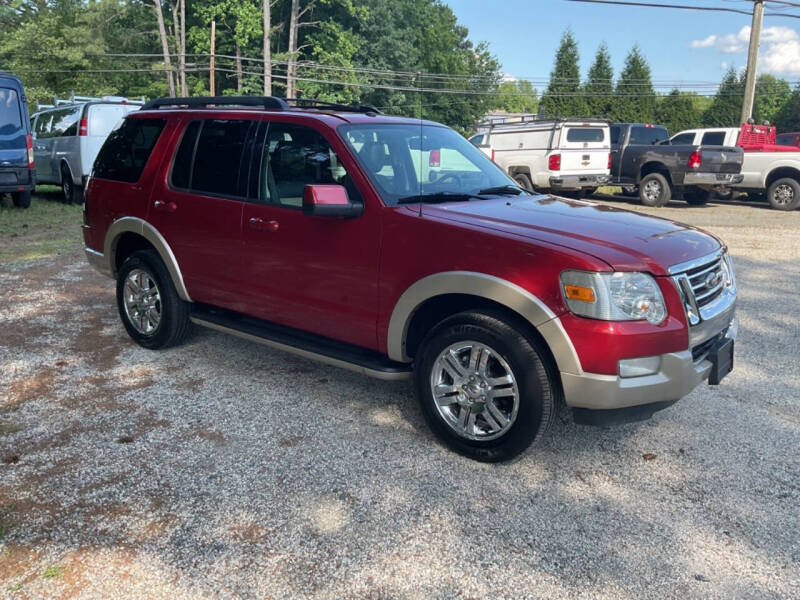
(779,54)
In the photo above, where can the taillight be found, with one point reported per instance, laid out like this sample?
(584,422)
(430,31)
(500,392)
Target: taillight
(435,158)
(554,164)
(83,128)
(695,160)
(609,160)
(29,146)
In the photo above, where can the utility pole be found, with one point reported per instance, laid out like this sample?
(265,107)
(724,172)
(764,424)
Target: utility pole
(213,36)
(752,61)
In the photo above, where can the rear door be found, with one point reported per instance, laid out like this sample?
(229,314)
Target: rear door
(584,148)
(63,142)
(100,119)
(41,147)
(640,135)
(13,131)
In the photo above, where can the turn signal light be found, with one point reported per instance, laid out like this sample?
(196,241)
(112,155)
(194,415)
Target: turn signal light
(554,164)
(577,292)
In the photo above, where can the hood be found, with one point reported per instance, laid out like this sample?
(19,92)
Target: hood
(625,240)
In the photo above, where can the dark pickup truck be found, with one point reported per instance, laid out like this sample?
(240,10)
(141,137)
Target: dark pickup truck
(643,159)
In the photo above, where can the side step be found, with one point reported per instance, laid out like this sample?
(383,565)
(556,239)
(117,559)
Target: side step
(308,345)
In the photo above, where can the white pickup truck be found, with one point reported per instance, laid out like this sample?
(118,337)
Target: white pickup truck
(767,169)
(569,156)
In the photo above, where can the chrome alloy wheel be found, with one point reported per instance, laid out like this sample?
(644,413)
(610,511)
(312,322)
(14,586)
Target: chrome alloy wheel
(475,391)
(783,195)
(142,301)
(652,190)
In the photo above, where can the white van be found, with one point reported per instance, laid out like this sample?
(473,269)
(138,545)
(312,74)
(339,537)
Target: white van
(68,135)
(558,155)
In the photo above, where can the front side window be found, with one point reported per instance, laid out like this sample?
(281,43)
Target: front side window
(784,140)
(10,114)
(647,136)
(43,122)
(713,138)
(65,122)
(127,150)
(409,160)
(295,156)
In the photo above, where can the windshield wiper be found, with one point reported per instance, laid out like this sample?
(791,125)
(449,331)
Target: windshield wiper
(436,197)
(503,189)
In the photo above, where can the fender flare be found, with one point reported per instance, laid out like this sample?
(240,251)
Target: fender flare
(508,294)
(151,234)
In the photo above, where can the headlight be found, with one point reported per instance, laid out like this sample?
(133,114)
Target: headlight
(614,296)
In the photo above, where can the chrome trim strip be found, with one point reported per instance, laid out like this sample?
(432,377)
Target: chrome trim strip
(394,376)
(98,261)
(695,262)
(151,234)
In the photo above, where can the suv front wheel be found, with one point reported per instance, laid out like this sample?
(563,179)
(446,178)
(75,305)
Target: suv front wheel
(151,310)
(483,387)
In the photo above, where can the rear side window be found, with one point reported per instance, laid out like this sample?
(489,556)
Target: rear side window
(476,140)
(585,134)
(181,177)
(127,150)
(684,138)
(647,136)
(10,114)
(713,138)
(218,157)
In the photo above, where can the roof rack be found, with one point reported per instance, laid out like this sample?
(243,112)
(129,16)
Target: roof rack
(522,119)
(73,99)
(265,102)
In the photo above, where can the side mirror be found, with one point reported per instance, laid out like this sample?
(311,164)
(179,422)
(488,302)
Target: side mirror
(329,201)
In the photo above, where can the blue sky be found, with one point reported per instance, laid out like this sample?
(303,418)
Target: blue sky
(679,45)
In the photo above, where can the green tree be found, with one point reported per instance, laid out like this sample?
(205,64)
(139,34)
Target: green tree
(678,111)
(726,108)
(788,118)
(563,96)
(517,97)
(599,87)
(635,98)
(771,95)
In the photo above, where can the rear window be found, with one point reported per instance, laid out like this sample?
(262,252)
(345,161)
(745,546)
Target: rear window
(127,150)
(713,138)
(585,134)
(103,117)
(615,131)
(647,136)
(10,114)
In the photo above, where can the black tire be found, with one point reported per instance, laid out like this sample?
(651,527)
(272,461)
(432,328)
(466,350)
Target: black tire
(696,196)
(537,386)
(72,193)
(784,194)
(523,181)
(174,321)
(630,191)
(21,199)
(657,182)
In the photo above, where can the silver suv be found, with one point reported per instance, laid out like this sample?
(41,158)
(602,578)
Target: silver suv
(68,134)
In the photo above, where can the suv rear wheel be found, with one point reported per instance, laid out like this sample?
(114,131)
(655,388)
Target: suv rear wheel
(654,190)
(72,193)
(151,310)
(21,199)
(483,387)
(784,194)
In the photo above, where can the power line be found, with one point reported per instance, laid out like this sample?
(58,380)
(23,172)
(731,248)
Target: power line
(683,7)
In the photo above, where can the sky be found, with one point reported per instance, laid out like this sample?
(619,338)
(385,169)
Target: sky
(680,45)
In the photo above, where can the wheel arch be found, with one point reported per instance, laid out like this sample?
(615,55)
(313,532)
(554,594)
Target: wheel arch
(780,173)
(655,167)
(129,234)
(437,296)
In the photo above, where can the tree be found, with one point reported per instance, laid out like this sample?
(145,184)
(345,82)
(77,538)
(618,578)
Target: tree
(678,111)
(599,87)
(517,97)
(563,96)
(266,29)
(635,97)
(788,118)
(726,108)
(771,95)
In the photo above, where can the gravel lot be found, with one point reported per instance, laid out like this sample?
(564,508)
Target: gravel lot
(224,469)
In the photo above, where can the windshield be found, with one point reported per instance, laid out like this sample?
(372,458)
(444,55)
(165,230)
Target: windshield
(408,160)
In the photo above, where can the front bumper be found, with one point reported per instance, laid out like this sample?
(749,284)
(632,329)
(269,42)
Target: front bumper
(712,180)
(577,182)
(678,375)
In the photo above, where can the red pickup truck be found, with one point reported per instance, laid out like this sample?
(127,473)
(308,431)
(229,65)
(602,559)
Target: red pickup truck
(394,247)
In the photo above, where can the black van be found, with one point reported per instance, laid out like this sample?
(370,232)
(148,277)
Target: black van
(16,144)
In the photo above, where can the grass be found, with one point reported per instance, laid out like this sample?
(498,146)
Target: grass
(52,572)
(48,228)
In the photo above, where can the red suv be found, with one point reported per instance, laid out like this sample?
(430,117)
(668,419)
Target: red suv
(394,247)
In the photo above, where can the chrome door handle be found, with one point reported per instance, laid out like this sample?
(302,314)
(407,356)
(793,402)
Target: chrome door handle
(262,225)
(165,206)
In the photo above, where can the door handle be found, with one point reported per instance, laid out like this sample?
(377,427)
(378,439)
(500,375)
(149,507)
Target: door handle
(262,225)
(165,206)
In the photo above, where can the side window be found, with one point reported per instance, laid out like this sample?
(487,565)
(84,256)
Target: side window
(181,176)
(43,125)
(476,140)
(295,156)
(647,136)
(127,150)
(65,122)
(713,138)
(218,157)
(615,131)
(684,138)
(10,114)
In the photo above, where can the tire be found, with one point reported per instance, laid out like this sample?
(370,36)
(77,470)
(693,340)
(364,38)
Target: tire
(654,190)
(630,191)
(21,199)
(523,181)
(696,196)
(784,194)
(534,391)
(71,192)
(172,324)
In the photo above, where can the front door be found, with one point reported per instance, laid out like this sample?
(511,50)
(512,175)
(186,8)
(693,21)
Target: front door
(316,274)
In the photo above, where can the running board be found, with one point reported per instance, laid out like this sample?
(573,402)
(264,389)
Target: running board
(308,345)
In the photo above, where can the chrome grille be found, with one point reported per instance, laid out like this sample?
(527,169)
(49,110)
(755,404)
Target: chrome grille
(707,281)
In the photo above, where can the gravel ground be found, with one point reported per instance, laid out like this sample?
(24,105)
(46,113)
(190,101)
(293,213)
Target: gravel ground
(224,469)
